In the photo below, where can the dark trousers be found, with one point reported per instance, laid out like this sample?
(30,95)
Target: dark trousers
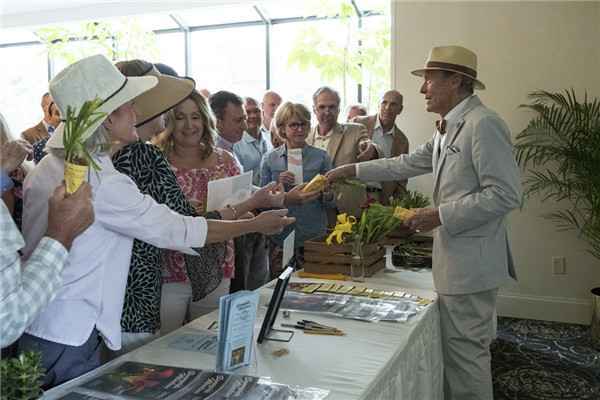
(63,362)
(251,262)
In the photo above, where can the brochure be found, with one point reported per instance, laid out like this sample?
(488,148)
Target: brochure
(131,380)
(194,340)
(232,190)
(294,165)
(237,315)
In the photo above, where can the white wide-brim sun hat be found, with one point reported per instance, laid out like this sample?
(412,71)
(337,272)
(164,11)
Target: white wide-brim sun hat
(90,78)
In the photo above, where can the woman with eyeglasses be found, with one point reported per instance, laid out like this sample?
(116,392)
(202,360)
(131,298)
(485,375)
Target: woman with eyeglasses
(293,125)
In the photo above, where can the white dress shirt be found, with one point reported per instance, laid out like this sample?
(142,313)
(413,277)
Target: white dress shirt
(98,263)
(383,142)
(225,144)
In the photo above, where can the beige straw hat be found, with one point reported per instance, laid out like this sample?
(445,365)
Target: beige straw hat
(169,92)
(452,58)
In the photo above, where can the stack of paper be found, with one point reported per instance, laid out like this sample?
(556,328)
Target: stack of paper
(237,315)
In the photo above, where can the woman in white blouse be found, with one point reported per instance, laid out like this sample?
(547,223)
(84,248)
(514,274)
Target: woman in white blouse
(87,310)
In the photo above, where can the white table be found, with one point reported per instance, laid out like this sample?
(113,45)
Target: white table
(373,361)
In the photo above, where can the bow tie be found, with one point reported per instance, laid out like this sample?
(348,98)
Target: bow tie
(441,126)
(50,129)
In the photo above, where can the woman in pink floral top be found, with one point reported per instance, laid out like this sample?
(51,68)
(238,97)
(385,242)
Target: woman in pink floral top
(188,145)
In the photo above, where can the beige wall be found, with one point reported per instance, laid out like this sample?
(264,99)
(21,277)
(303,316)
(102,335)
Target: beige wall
(522,46)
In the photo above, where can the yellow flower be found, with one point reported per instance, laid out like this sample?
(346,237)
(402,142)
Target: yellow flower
(403,213)
(343,225)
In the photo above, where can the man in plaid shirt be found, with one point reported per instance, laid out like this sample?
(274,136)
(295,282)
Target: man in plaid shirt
(26,289)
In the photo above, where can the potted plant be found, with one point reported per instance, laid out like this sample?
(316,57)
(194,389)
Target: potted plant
(560,151)
(76,130)
(21,377)
(376,222)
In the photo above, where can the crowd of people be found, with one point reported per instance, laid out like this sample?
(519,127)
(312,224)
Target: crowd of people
(134,253)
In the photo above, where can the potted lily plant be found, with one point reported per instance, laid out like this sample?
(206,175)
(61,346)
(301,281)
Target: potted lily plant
(78,158)
(560,151)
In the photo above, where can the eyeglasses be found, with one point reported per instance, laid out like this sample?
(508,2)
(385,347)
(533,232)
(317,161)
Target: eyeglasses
(296,125)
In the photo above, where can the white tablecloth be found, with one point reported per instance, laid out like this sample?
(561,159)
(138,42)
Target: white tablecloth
(373,361)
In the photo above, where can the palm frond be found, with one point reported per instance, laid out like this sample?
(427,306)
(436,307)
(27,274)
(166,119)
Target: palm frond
(564,139)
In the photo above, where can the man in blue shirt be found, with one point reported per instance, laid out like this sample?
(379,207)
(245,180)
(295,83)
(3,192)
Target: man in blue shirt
(254,145)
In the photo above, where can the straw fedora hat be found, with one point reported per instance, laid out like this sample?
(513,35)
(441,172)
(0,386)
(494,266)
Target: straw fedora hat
(452,58)
(169,92)
(90,78)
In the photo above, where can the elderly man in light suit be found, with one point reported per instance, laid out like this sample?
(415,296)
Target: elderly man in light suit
(476,184)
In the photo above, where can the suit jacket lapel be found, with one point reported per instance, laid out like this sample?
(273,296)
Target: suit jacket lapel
(451,134)
(335,141)
(371,121)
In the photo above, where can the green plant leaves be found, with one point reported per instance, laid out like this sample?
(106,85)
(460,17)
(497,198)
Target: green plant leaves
(77,125)
(21,377)
(560,152)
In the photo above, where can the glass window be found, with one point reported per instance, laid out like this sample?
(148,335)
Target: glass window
(373,5)
(315,45)
(74,51)
(219,15)
(171,51)
(153,22)
(17,36)
(278,10)
(230,59)
(23,85)
(376,60)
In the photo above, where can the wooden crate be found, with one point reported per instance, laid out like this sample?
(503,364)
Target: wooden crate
(337,258)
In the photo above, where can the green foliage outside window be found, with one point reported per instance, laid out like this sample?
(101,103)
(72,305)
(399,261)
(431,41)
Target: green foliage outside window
(368,64)
(121,39)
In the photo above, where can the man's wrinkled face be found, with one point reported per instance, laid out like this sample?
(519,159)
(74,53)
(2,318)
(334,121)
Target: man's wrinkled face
(390,107)
(269,105)
(438,89)
(253,112)
(327,109)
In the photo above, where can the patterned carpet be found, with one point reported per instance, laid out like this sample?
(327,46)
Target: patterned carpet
(539,360)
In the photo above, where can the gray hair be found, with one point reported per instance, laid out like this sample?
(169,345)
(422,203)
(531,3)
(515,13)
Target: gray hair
(326,89)
(97,144)
(467,84)
(5,134)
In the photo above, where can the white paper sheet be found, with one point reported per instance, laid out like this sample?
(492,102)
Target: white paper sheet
(230,190)
(294,163)
(288,248)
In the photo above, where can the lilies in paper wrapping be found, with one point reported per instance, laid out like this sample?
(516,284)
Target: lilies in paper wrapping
(76,131)
(376,222)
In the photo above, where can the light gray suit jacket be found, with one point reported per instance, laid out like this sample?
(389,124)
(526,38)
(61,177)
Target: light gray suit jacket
(476,184)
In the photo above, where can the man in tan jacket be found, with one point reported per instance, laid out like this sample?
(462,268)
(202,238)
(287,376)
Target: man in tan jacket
(345,143)
(47,125)
(389,140)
